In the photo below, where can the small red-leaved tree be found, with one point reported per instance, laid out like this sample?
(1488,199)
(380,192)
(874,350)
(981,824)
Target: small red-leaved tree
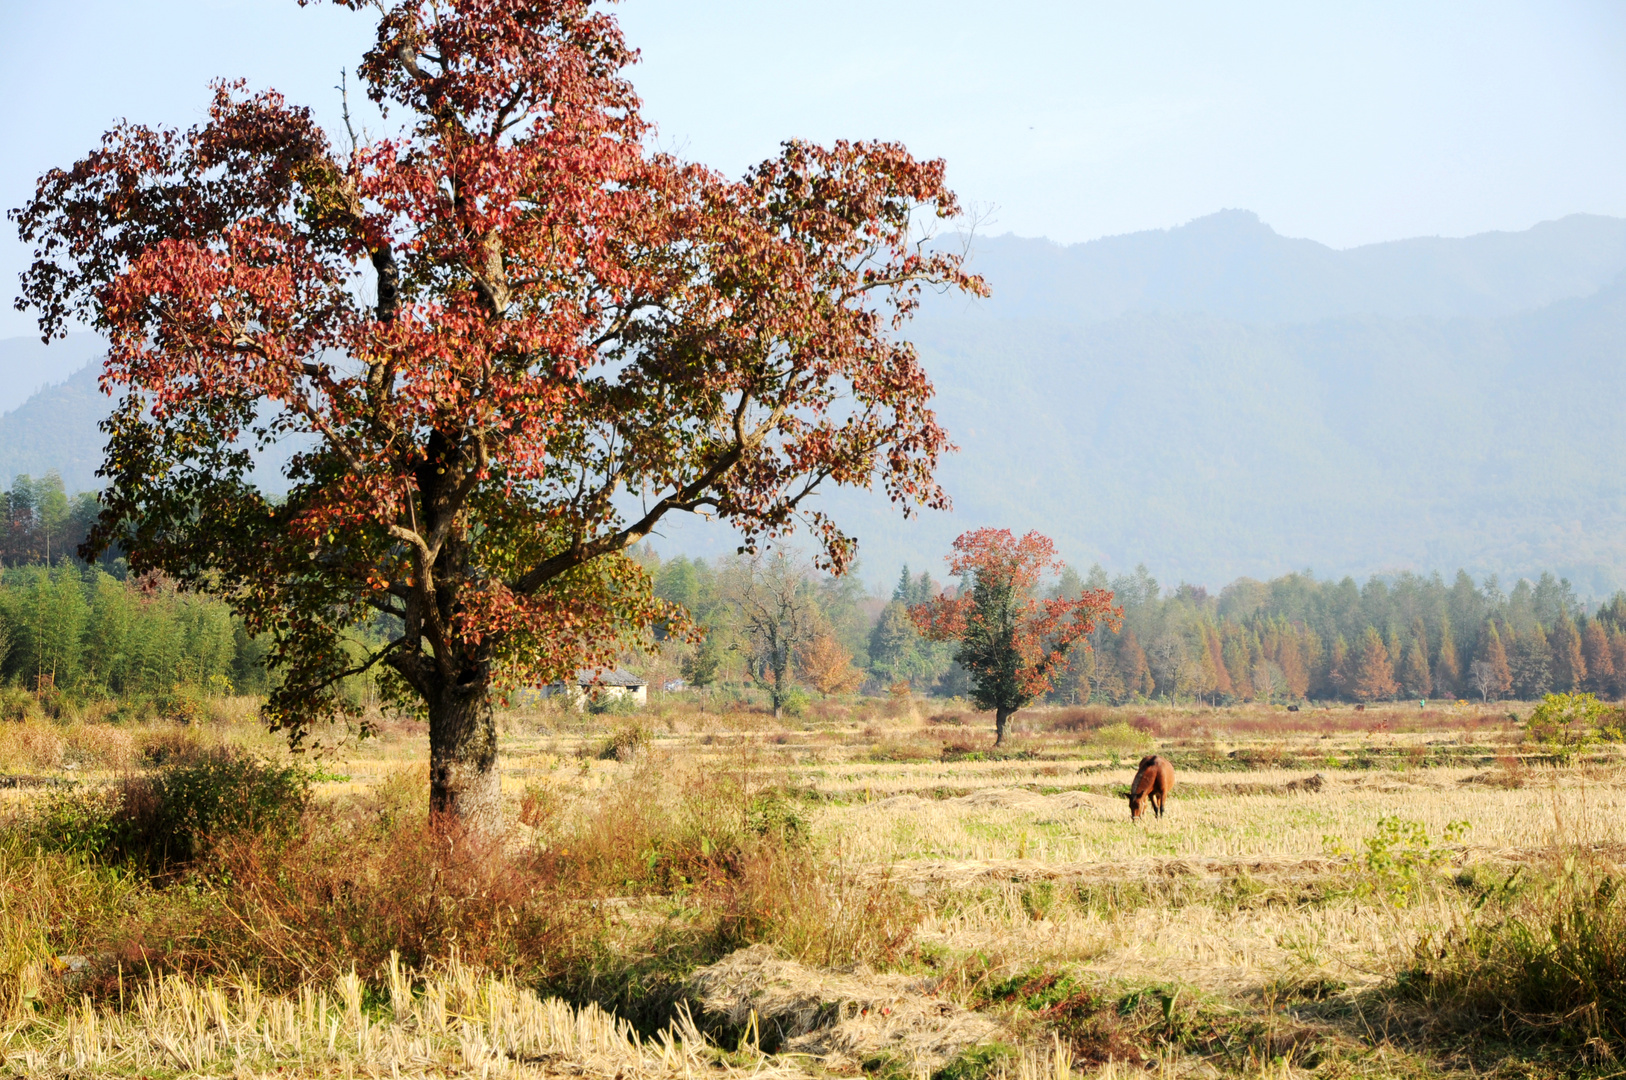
(1011,641)
(509,340)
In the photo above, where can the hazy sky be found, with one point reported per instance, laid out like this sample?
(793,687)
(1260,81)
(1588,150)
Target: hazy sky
(1346,123)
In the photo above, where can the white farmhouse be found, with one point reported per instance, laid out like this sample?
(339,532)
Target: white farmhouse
(603,685)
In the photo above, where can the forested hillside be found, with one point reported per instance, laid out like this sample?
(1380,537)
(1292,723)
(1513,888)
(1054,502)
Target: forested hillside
(1234,266)
(1217,400)
(1221,417)
(28,365)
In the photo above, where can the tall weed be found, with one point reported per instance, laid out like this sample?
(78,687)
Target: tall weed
(234,870)
(1543,961)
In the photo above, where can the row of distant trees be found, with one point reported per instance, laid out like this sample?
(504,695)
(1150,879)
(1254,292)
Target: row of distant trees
(1295,638)
(89,631)
(40,523)
(775,621)
(1289,639)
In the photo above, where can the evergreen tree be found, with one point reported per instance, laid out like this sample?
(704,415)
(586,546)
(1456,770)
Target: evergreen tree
(1076,681)
(1137,676)
(924,589)
(1553,599)
(904,590)
(1216,662)
(1340,674)
(1109,678)
(1415,678)
(678,580)
(894,645)
(1238,659)
(1295,673)
(1613,612)
(1617,654)
(1600,665)
(1315,659)
(1530,657)
(1374,671)
(1466,605)
(1447,668)
(1490,674)
(1397,651)
(1568,663)
(700,666)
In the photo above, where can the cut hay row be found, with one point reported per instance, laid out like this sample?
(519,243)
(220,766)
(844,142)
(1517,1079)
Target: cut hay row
(456,1022)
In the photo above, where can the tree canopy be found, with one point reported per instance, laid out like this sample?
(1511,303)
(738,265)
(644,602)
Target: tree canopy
(514,337)
(1012,642)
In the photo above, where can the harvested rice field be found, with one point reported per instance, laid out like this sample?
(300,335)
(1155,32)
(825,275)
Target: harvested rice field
(869,889)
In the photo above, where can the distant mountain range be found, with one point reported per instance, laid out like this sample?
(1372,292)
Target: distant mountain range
(49,409)
(1218,400)
(1233,266)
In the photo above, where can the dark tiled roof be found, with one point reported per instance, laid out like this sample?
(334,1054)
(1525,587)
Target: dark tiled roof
(616,677)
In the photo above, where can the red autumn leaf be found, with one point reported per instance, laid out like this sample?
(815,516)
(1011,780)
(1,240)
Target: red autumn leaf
(1011,642)
(508,340)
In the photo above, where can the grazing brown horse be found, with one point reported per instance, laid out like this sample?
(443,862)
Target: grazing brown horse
(1153,782)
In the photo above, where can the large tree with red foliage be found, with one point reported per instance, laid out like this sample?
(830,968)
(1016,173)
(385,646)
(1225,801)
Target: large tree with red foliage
(509,339)
(1012,642)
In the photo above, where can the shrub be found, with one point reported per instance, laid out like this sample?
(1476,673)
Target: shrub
(183,704)
(1120,738)
(604,703)
(1078,721)
(165,820)
(177,744)
(1546,962)
(83,822)
(32,745)
(339,895)
(222,795)
(17,704)
(626,742)
(1147,726)
(772,814)
(288,897)
(1566,723)
(1398,857)
(101,745)
(1098,1028)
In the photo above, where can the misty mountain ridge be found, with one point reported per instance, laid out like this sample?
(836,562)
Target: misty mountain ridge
(1231,264)
(1217,400)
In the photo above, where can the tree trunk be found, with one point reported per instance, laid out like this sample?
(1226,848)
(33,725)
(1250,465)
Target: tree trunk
(1001,716)
(463,779)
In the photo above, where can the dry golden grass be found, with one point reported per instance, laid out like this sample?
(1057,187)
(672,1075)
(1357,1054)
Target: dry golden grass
(454,1022)
(1022,862)
(1203,822)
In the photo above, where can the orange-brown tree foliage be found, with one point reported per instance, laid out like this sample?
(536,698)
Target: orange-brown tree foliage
(1374,678)
(829,667)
